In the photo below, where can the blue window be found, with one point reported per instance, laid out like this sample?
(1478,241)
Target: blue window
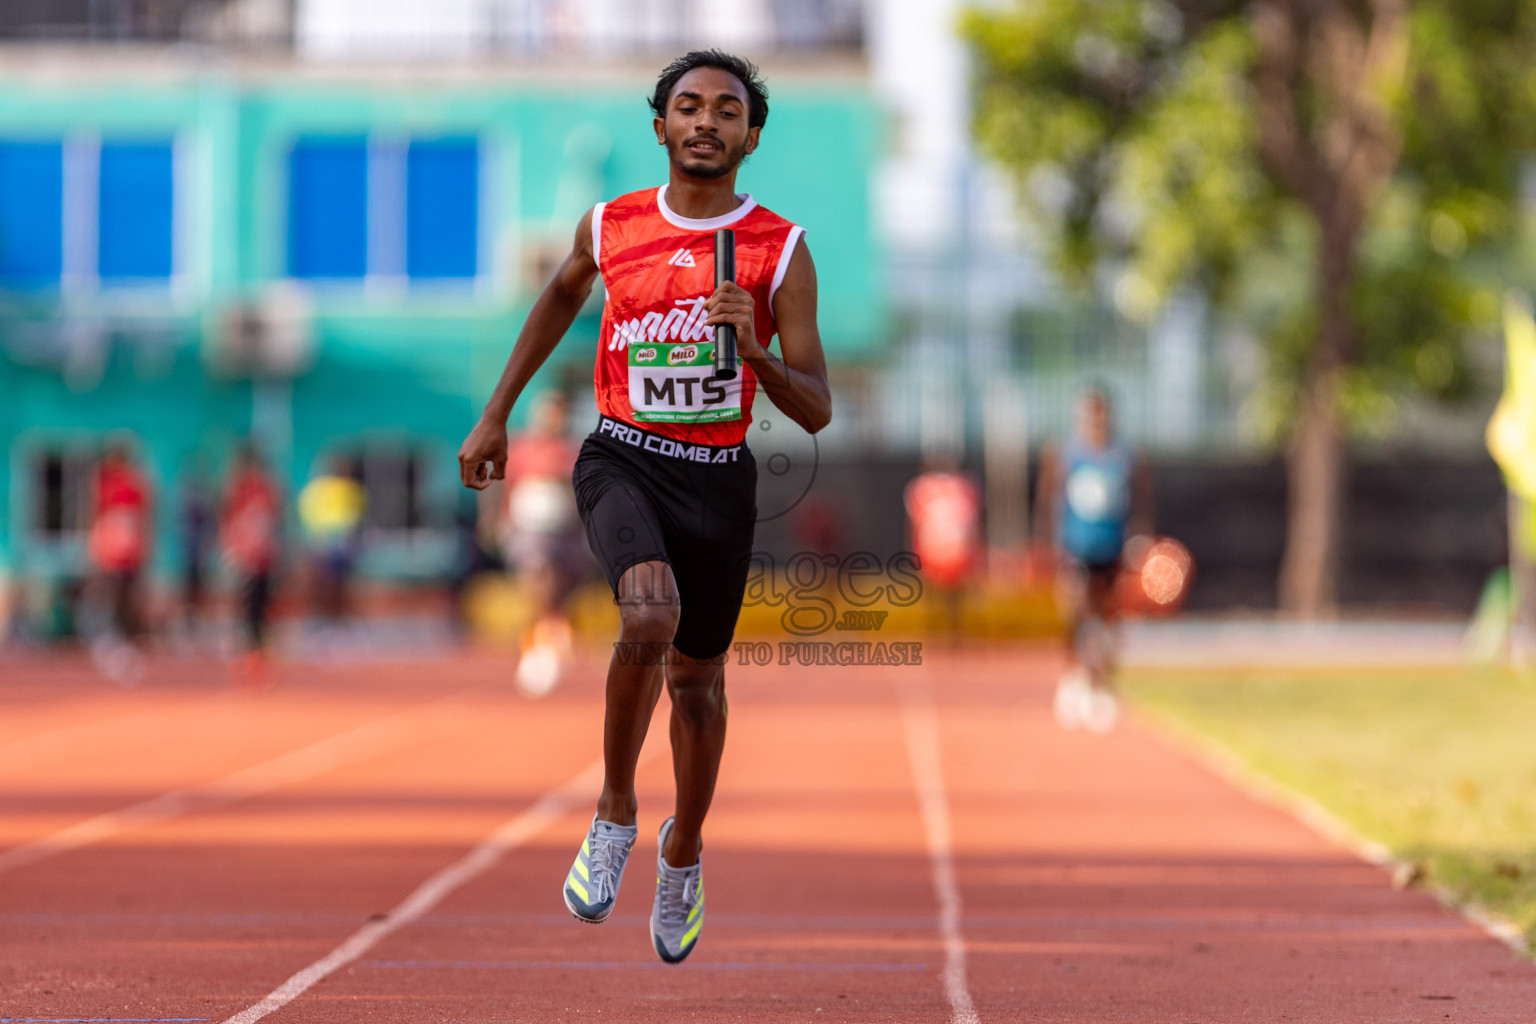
(135,211)
(31,213)
(328,208)
(442,191)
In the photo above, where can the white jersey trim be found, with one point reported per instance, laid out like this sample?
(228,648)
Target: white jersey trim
(725,220)
(784,258)
(597,235)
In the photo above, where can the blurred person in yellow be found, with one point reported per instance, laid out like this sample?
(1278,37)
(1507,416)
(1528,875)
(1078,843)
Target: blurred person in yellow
(1512,442)
(1094,494)
(331,508)
(540,538)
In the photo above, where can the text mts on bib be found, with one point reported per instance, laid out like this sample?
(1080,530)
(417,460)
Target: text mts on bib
(655,356)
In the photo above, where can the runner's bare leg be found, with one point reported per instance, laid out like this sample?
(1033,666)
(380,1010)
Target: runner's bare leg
(697,689)
(1101,609)
(648,615)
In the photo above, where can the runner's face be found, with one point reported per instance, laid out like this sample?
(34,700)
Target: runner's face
(705,130)
(1093,421)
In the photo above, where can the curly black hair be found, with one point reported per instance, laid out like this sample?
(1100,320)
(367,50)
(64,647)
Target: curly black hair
(743,69)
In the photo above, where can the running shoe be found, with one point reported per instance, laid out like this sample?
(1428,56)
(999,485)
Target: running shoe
(546,649)
(593,882)
(538,670)
(678,913)
(1074,695)
(1103,711)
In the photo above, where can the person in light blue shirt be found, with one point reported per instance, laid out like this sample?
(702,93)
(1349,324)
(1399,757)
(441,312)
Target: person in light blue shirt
(1094,495)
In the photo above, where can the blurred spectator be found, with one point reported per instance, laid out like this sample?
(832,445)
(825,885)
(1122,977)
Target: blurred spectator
(817,525)
(1094,494)
(251,537)
(8,606)
(944,506)
(196,514)
(541,538)
(331,510)
(118,542)
(474,553)
(119,539)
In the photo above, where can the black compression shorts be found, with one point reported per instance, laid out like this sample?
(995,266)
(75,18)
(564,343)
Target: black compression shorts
(1094,574)
(646,498)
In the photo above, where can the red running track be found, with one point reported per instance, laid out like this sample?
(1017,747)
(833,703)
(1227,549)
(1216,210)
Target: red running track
(1093,879)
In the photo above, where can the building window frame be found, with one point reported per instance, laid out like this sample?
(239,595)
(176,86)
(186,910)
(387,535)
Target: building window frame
(386,255)
(80,214)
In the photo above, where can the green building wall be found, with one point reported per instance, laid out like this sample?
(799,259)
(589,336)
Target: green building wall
(413,363)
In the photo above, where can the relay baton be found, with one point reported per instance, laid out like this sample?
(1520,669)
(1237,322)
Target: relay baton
(725,334)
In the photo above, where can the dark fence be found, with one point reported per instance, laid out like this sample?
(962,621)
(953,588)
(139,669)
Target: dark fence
(1420,534)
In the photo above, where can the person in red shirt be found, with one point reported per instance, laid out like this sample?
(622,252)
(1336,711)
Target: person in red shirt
(944,506)
(666,486)
(119,538)
(250,534)
(540,538)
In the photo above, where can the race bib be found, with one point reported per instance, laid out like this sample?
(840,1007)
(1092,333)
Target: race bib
(676,384)
(1095,495)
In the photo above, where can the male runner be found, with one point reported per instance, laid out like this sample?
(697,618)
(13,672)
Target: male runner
(666,486)
(1094,493)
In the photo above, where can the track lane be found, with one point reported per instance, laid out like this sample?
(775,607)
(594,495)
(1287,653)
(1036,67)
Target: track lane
(1144,889)
(176,746)
(373,739)
(1100,879)
(279,888)
(792,859)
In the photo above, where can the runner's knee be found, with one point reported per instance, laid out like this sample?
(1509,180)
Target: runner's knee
(649,609)
(698,705)
(649,622)
(697,690)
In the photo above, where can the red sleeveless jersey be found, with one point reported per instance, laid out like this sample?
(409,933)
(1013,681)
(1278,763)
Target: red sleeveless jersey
(655,357)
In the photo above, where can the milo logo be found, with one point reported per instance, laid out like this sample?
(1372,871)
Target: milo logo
(645,355)
(683,354)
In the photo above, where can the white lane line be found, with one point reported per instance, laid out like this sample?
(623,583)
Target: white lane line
(549,809)
(925,754)
(319,758)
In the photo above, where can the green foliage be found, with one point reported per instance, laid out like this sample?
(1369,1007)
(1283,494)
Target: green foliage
(1469,116)
(1130,128)
(1128,141)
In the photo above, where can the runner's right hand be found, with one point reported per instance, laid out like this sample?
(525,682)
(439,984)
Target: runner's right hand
(483,455)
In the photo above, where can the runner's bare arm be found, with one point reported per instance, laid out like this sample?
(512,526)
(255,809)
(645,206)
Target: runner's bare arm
(797,383)
(551,316)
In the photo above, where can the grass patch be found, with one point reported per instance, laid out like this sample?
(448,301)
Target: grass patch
(1438,764)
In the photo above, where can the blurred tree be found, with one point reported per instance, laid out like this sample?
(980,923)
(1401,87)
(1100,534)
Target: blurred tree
(1342,177)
